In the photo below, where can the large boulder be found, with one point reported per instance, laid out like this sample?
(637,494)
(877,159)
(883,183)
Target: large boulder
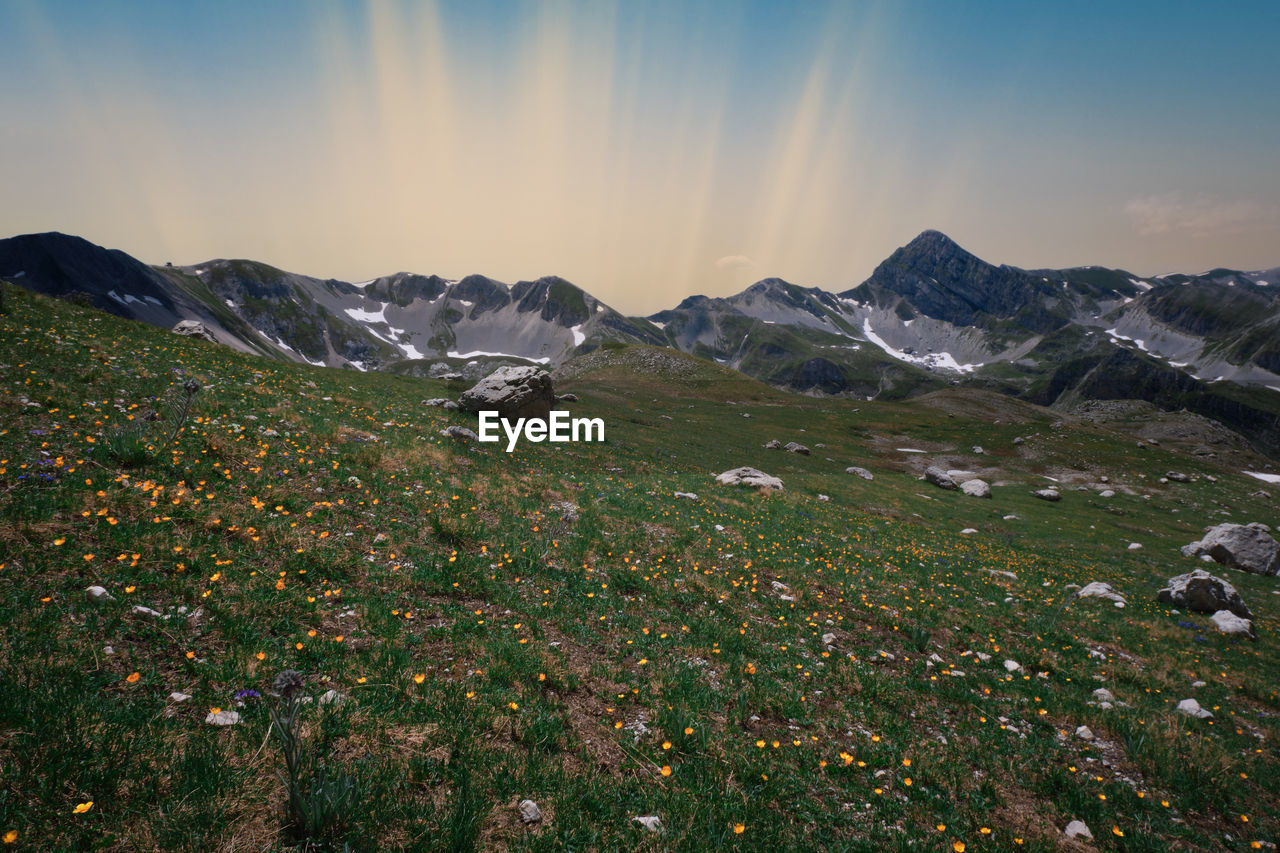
(1229,623)
(860,472)
(1202,592)
(935,475)
(1050,495)
(796,447)
(513,392)
(194,329)
(1247,547)
(976,488)
(749,477)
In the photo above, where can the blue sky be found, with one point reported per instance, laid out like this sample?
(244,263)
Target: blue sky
(645,150)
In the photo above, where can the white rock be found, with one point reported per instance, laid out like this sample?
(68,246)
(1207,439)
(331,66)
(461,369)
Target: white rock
(1192,708)
(529,811)
(1084,733)
(1102,694)
(983,657)
(1077,829)
(1097,589)
(750,477)
(824,498)
(968,531)
(1198,684)
(653,823)
(1106,493)
(333,697)
(177,697)
(223,718)
(687,495)
(98,595)
(1012,666)
(1135,546)
(140,610)
(1229,623)
(976,488)
(828,638)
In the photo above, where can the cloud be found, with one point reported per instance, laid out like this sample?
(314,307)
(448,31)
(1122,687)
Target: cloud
(1200,216)
(734,262)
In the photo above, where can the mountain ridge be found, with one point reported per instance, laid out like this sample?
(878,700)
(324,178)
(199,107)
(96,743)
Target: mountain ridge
(930,315)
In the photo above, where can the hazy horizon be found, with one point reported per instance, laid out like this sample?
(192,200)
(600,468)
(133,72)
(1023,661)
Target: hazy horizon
(649,151)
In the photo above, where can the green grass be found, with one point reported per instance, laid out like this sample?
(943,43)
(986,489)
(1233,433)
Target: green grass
(319,522)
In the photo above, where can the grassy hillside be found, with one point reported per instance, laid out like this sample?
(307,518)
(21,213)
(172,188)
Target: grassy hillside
(554,624)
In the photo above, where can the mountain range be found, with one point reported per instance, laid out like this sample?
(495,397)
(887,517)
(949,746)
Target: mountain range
(930,315)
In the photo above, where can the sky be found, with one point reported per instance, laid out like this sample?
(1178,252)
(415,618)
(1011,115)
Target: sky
(645,151)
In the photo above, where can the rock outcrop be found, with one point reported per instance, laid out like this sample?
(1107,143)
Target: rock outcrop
(1202,592)
(194,329)
(1247,547)
(938,477)
(513,392)
(749,477)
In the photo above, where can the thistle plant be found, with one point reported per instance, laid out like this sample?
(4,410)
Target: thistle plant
(320,801)
(133,447)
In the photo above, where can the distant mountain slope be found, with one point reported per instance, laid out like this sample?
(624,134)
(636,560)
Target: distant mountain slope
(378,324)
(930,315)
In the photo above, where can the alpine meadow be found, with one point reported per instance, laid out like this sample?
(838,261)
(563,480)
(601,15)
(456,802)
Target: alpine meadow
(665,425)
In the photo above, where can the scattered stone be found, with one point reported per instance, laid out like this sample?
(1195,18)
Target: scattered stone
(824,498)
(1084,733)
(514,392)
(1202,592)
(828,639)
(653,823)
(1177,477)
(194,329)
(978,451)
(794,447)
(442,403)
(178,698)
(935,475)
(334,698)
(750,477)
(529,811)
(1229,623)
(1019,440)
(773,444)
(982,657)
(1102,694)
(1198,684)
(687,495)
(98,595)
(455,431)
(1048,495)
(1247,547)
(976,488)
(1192,708)
(1002,574)
(1097,589)
(222,718)
(861,472)
(145,612)
(1078,829)
(1012,666)
(566,398)
(1106,493)
(968,531)
(1135,546)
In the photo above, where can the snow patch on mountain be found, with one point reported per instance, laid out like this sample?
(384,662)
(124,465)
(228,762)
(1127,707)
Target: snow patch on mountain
(478,353)
(362,316)
(939,360)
